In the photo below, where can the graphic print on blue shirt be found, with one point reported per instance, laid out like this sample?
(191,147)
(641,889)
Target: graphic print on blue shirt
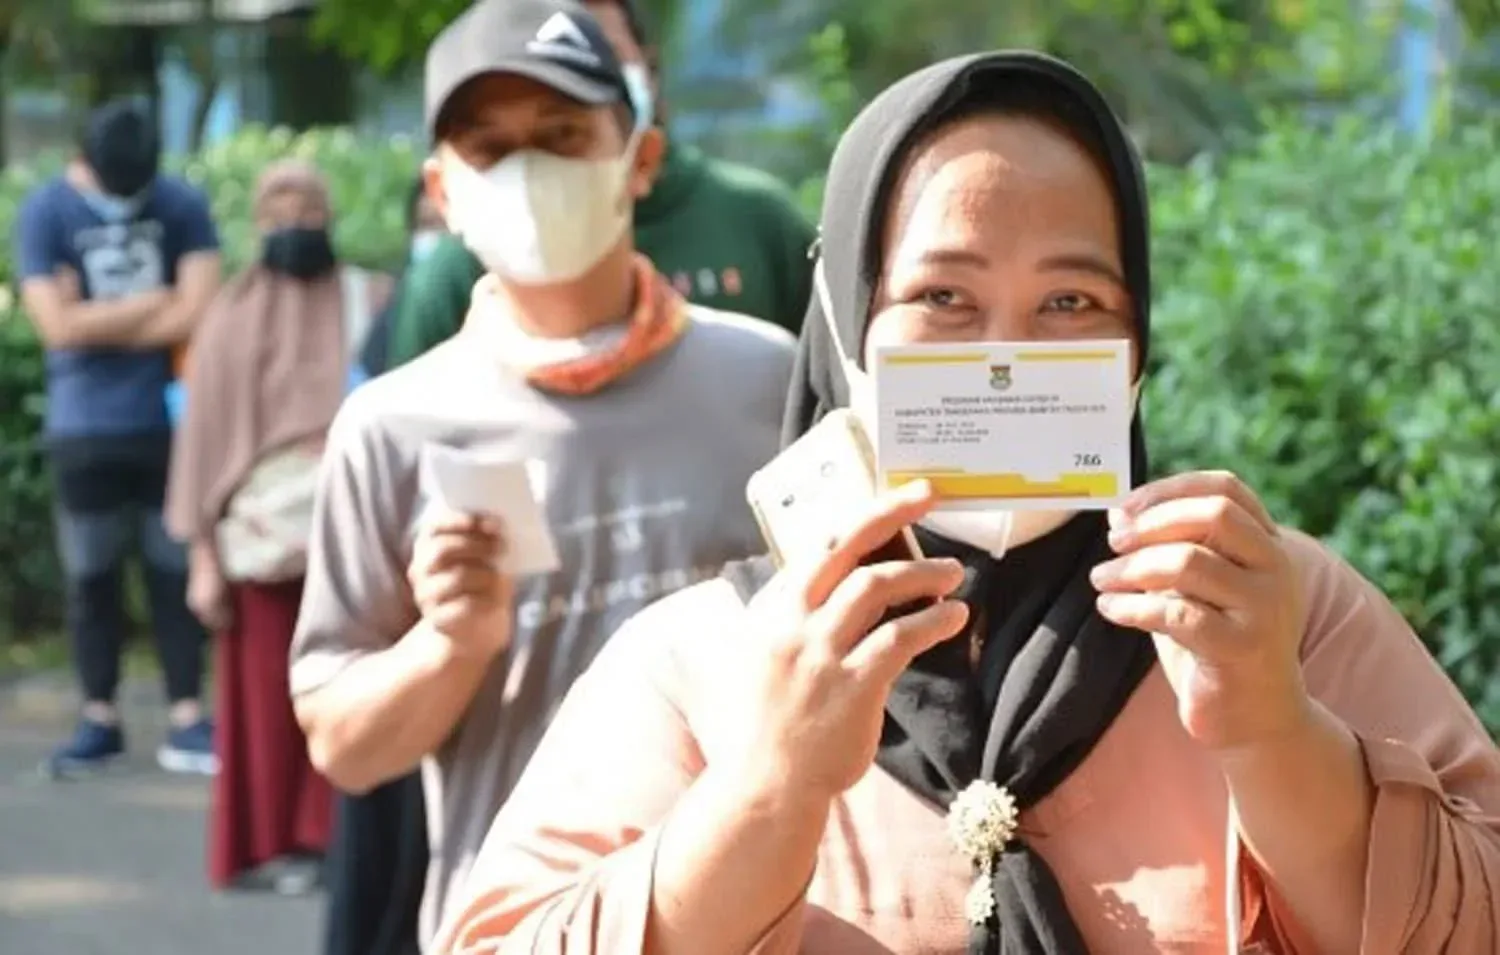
(105,390)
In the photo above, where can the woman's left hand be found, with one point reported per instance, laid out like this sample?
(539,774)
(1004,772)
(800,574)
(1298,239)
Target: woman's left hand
(1203,569)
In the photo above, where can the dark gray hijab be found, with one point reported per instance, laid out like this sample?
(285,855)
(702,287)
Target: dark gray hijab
(1052,674)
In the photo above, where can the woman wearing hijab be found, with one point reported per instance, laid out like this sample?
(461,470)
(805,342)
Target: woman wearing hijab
(269,366)
(804,763)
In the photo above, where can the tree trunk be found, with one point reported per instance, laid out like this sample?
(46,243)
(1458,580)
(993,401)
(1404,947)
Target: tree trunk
(200,51)
(310,86)
(210,89)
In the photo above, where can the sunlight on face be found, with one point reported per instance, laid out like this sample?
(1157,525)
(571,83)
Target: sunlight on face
(494,115)
(1002,228)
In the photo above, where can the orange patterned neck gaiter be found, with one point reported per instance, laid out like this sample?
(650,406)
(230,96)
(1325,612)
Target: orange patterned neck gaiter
(658,321)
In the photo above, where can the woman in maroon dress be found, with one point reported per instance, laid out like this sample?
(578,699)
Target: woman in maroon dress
(269,366)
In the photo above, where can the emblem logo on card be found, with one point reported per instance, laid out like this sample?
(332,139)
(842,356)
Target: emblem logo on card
(1000,379)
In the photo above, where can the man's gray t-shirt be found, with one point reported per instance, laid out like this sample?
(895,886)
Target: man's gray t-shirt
(646,495)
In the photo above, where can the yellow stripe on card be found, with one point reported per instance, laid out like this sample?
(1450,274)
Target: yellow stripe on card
(1013,487)
(1066,355)
(957,358)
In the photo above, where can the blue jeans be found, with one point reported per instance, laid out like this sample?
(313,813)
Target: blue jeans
(109,494)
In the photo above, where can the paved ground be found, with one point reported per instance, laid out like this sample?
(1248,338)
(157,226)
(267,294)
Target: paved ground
(114,865)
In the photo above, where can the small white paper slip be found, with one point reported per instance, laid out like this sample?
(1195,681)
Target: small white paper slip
(508,490)
(1019,425)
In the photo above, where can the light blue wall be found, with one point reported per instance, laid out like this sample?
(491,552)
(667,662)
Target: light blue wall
(1418,58)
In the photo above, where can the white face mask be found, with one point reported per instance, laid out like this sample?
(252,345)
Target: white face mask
(638,83)
(536,218)
(993,530)
(423,242)
(114,209)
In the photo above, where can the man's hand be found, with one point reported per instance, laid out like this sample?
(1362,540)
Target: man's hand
(63,320)
(456,579)
(69,289)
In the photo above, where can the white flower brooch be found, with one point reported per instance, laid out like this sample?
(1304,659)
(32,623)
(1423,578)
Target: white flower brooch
(981,822)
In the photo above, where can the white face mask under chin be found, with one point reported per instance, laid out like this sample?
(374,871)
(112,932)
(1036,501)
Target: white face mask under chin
(536,218)
(992,530)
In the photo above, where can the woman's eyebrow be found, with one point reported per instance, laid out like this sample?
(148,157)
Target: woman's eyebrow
(951,256)
(1083,262)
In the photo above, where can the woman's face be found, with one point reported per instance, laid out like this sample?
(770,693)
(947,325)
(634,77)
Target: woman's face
(1002,227)
(291,209)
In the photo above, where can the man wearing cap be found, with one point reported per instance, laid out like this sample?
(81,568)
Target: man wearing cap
(116,263)
(727,236)
(638,415)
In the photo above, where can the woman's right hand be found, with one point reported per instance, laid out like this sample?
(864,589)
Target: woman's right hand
(207,591)
(818,696)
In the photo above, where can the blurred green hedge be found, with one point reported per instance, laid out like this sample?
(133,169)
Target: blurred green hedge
(1326,326)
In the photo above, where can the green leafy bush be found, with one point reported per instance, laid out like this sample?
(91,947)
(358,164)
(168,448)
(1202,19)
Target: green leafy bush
(370,182)
(1327,327)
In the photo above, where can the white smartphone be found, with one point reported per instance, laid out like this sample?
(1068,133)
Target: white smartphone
(815,491)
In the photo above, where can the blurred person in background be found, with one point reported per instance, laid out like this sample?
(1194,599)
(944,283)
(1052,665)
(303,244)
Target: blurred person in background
(117,263)
(647,414)
(269,366)
(726,235)
(424,230)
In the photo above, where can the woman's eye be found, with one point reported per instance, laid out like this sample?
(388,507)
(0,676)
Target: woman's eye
(1070,302)
(940,298)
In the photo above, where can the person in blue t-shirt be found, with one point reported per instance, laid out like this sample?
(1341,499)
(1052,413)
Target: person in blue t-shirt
(116,263)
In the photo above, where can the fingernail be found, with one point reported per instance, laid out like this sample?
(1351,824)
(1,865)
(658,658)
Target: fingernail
(1105,602)
(1104,574)
(1117,517)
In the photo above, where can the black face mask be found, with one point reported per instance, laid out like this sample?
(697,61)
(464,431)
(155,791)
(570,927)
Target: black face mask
(298,252)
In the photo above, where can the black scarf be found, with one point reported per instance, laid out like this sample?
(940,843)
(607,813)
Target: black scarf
(1053,674)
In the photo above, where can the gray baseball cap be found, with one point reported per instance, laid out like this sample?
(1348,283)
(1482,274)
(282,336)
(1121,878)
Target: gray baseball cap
(555,42)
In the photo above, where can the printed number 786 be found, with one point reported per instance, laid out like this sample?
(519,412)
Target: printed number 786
(1087,460)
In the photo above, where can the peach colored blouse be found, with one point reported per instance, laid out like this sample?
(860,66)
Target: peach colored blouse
(1138,836)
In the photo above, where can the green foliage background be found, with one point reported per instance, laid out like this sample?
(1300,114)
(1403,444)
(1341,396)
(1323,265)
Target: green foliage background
(1325,326)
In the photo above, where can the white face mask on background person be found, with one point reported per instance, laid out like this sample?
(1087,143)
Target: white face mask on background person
(993,530)
(113,209)
(536,218)
(423,242)
(638,85)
